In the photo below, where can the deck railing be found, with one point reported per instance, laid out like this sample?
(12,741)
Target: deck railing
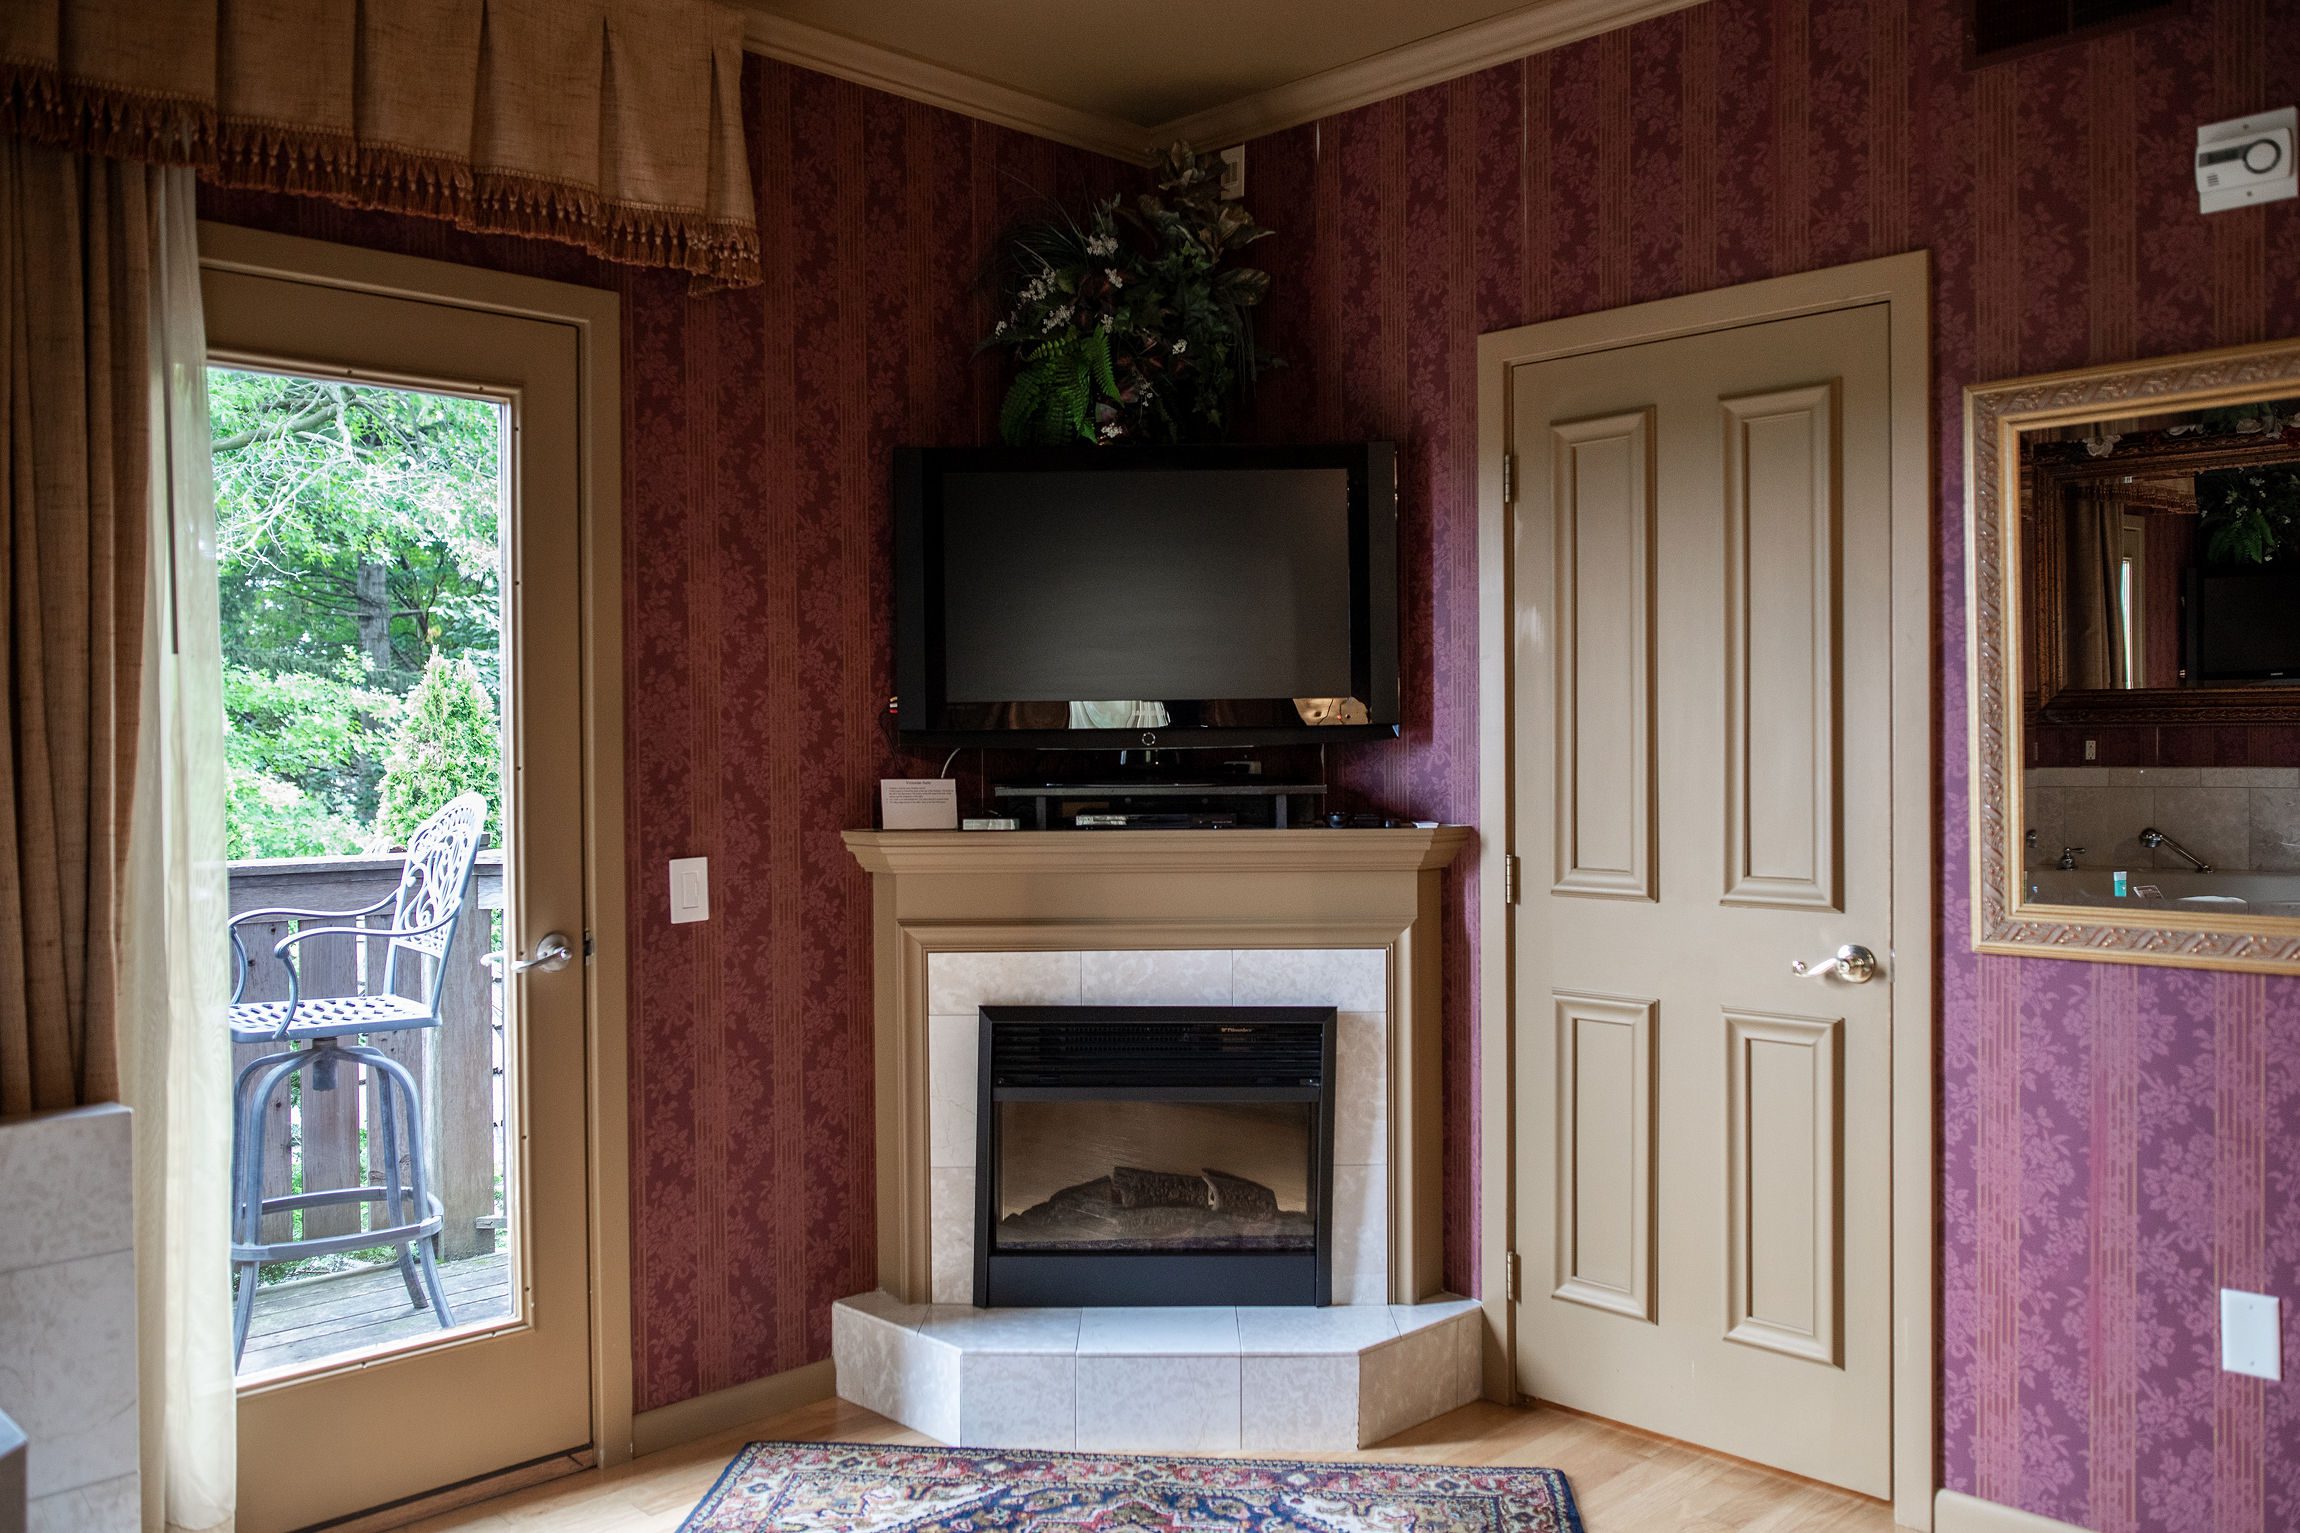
(455,1063)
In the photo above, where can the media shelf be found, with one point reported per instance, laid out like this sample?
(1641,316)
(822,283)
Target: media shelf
(1244,805)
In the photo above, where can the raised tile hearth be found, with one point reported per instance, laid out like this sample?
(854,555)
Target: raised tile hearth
(1211,1380)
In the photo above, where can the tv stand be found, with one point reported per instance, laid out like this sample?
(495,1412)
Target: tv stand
(1150,805)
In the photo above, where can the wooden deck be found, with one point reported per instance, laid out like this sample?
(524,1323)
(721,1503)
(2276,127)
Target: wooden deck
(359,1311)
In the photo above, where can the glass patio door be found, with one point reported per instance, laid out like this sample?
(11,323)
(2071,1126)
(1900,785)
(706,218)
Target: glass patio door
(398,515)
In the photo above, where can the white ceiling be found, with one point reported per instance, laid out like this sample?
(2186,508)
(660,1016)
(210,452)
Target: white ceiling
(1140,64)
(1127,79)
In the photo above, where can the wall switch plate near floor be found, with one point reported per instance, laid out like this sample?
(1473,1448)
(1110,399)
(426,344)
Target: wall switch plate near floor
(2251,1334)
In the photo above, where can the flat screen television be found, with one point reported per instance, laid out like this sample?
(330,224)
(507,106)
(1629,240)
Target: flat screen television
(1146,598)
(2244,624)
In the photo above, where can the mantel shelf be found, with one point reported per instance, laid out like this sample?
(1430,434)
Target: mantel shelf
(1402,849)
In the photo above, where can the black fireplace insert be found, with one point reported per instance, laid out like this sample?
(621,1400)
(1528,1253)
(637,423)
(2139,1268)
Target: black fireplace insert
(1154,1155)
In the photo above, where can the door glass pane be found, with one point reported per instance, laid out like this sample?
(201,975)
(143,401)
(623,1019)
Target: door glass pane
(361,554)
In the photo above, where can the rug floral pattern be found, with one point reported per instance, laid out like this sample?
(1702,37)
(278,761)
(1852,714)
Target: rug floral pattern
(856,1488)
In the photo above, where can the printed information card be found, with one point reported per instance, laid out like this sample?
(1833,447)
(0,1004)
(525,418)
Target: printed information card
(918,803)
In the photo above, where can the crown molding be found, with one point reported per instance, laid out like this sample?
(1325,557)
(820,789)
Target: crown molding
(1431,60)
(899,74)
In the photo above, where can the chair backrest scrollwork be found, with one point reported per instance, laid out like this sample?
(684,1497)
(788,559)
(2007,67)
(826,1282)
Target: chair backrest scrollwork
(435,882)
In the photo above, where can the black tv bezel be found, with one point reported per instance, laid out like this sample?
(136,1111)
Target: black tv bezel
(918,471)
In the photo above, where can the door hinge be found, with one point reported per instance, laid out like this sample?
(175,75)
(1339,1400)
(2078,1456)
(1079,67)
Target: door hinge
(1509,878)
(1508,478)
(1514,1284)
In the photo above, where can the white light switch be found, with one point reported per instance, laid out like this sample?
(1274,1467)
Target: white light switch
(2251,1334)
(690,889)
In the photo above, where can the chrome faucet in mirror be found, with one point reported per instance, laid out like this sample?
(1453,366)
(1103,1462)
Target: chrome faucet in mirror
(2152,838)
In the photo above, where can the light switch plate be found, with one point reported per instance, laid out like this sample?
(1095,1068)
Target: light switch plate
(690,889)
(2251,1334)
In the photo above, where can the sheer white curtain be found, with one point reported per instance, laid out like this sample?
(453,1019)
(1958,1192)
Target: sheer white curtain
(175,1058)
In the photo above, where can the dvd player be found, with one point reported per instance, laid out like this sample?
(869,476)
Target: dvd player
(1154,821)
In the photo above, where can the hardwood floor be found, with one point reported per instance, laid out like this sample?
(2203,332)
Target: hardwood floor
(1625,1482)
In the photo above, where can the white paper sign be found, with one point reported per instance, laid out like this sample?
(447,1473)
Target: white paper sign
(918,803)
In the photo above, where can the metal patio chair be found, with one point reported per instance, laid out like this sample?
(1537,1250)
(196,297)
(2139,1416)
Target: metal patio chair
(323,1034)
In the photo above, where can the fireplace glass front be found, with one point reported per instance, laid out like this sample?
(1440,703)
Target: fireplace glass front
(1154,1155)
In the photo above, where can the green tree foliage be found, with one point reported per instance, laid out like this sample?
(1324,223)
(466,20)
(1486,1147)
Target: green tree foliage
(297,745)
(358,541)
(446,744)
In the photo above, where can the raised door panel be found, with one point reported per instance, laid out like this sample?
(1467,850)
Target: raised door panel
(1783,1176)
(1783,785)
(1604,691)
(1605,1153)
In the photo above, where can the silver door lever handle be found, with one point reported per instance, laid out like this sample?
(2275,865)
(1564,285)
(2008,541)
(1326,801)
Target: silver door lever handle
(551,954)
(1853,964)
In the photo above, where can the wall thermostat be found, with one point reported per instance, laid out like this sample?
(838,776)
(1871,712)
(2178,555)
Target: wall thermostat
(2246,160)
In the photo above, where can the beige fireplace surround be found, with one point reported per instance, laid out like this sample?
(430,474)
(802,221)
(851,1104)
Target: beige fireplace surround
(1075,891)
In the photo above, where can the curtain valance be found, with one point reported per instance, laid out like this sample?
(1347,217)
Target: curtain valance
(615,125)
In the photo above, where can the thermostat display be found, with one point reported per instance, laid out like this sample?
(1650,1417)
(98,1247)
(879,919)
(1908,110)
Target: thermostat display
(2246,160)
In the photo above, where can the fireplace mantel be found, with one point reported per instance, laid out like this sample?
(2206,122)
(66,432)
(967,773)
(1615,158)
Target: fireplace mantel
(1020,891)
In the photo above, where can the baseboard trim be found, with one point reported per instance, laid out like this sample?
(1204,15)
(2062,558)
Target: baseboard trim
(722,1410)
(1957,1513)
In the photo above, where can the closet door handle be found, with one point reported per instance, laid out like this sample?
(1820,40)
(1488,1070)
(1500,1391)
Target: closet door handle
(1853,964)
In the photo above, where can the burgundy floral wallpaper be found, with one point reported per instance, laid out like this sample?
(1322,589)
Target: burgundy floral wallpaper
(757,427)
(2117,1143)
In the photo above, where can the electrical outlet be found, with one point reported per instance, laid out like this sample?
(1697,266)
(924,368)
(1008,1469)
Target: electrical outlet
(690,889)
(2092,750)
(2251,1334)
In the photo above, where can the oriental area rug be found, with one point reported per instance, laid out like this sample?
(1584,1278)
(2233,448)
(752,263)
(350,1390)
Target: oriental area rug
(775,1487)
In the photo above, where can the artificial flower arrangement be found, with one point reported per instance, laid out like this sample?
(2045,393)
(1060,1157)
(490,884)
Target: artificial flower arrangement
(1131,327)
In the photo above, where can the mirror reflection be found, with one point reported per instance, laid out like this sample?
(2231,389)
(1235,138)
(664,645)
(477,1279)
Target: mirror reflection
(2166,550)
(2160,626)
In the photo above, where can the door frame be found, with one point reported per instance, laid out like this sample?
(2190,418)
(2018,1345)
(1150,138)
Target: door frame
(594,315)
(1903,283)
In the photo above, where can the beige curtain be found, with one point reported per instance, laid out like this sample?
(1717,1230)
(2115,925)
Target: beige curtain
(2095,589)
(75,295)
(112,975)
(615,125)
(175,1060)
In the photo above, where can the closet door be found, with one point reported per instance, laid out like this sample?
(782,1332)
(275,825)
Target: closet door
(1703,788)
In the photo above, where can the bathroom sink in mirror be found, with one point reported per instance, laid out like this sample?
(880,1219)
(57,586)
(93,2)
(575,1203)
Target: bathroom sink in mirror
(2134,642)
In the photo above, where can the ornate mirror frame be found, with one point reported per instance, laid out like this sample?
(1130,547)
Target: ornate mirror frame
(2004,921)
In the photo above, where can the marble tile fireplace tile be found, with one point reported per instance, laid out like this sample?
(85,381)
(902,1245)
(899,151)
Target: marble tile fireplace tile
(1209,1379)
(1353,980)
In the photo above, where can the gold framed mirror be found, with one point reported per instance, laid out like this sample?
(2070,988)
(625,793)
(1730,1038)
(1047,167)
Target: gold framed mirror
(2133,649)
